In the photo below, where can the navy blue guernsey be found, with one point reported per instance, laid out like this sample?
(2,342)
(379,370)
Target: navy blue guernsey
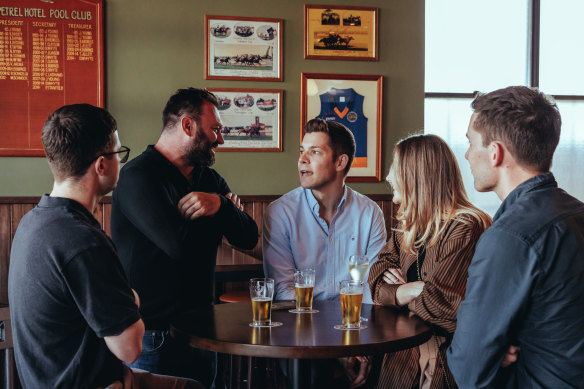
(345,106)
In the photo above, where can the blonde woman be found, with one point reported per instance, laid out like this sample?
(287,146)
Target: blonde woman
(423,266)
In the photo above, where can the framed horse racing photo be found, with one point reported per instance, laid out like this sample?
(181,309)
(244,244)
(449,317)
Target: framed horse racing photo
(252,119)
(243,48)
(343,32)
(354,100)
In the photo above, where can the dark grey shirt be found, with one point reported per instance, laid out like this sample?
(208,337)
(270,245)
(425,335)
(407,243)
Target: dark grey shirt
(67,290)
(525,287)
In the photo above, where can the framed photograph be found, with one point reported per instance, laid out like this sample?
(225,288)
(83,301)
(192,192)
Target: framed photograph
(354,101)
(343,32)
(252,119)
(241,48)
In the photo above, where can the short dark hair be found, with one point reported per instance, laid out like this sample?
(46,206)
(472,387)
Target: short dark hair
(525,120)
(74,135)
(341,139)
(186,101)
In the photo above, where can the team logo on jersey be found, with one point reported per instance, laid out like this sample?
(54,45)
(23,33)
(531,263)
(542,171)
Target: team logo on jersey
(352,116)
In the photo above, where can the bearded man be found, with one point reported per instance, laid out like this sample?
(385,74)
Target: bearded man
(170,211)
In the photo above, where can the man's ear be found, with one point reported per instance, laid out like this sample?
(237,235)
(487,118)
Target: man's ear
(99,166)
(341,163)
(188,125)
(497,153)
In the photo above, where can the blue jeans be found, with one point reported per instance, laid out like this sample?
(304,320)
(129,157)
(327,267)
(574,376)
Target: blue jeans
(162,354)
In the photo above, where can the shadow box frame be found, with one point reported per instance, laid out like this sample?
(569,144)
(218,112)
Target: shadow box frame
(313,85)
(250,145)
(233,43)
(324,35)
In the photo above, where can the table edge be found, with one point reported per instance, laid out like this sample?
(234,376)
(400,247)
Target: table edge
(300,352)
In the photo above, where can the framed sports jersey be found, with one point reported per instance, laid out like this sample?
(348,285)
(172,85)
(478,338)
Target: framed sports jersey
(340,32)
(252,119)
(353,100)
(243,48)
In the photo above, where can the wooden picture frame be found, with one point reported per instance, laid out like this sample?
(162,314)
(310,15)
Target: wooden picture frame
(252,119)
(355,101)
(340,32)
(243,48)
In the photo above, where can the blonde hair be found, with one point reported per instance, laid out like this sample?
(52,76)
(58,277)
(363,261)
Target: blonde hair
(425,173)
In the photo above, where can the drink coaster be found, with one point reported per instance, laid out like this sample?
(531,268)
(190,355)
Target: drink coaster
(303,310)
(273,324)
(343,327)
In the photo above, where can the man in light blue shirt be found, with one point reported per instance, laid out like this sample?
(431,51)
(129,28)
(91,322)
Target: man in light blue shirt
(320,224)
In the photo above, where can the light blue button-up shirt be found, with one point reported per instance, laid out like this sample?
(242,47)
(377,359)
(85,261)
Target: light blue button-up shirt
(296,237)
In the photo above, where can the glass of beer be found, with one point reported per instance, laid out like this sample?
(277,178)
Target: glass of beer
(304,291)
(351,298)
(261,291)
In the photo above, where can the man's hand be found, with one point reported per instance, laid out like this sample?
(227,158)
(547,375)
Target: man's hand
(136,298)
(197,204)
(393,277)
(511,356)
(233,197)
(357,378)
(407,292)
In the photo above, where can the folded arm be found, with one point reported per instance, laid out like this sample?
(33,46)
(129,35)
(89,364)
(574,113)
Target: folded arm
(496,298)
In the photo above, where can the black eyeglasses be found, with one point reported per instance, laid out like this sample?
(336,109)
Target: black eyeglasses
(123,157)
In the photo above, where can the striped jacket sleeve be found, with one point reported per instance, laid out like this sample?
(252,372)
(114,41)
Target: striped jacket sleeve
(389,258)
(445,276)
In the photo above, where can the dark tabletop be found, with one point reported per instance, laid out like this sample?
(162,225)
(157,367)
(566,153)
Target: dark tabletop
(225,328)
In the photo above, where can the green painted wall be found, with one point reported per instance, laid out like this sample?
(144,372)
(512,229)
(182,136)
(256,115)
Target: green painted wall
(154,47)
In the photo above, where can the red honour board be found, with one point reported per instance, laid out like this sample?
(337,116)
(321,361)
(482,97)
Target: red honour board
(51,54)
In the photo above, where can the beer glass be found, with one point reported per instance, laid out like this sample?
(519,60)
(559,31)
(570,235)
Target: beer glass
(304,291)
(358,267)
(261,291)
(351,298)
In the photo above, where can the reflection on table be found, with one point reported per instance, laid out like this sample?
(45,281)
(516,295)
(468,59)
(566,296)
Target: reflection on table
(225,328)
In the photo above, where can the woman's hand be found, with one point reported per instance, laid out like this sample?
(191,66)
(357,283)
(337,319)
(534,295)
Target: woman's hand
(407,292)
(393,277)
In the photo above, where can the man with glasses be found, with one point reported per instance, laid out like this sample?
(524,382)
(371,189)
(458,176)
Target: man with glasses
(69,296)
(169,214)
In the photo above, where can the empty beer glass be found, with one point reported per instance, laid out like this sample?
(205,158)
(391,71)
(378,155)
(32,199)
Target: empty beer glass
(304,291)
(358,268)
(351,298)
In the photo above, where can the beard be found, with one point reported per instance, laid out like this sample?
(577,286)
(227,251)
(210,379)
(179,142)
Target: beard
(200,152)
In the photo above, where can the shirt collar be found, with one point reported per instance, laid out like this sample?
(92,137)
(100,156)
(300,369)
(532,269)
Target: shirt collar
(195,174)
(539,181)
(48,201)
(313,202)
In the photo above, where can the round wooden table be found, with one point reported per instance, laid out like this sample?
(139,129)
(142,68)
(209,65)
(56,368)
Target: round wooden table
(225,328)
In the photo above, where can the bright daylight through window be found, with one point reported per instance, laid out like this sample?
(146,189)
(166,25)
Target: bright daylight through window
(476,45)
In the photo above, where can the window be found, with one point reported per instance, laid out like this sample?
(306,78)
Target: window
(474,45)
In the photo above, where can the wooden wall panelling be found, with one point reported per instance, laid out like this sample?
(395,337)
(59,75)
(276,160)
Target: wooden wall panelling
(107,218)
(18,211)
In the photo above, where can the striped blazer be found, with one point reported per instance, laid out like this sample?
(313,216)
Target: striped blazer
(444,272)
